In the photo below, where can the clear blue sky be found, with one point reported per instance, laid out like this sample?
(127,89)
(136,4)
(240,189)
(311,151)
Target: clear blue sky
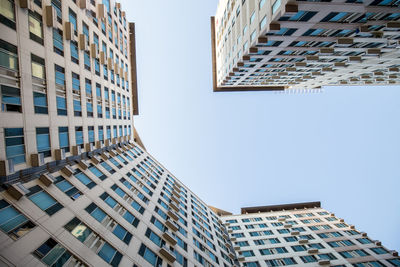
(340,147)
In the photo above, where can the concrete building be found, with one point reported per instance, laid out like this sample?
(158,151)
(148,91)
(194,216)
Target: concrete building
(77,186)
(285,44)
(302,234)
(67,78)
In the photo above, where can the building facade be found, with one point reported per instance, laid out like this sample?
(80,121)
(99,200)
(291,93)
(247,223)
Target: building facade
(67,78)
(302,234)
(282,44)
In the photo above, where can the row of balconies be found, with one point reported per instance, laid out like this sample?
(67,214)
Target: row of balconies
(37,159)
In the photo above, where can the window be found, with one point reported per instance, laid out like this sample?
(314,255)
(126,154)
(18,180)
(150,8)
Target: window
(67,188)
(7,13)
(109,223)
(272,251)
(10,99)
(43,200)
(107,167)
(310,258)
(58,7)
(281,262)
(97,172)
(63,138)
(251,264)
(77,108)
(84,179)
(8,53)
(12,222)
(101,133)
(74,52)
(40,103)
(35,27)
(61,106)
(276,6)
(53,254)
(92,240)
(252,17)
(59,76)
(379,251)
(43,141)
(261,4)
(72,19)
(15,144)
(154,238)
(150,256)
(86,60)
(79,136)
(89,109)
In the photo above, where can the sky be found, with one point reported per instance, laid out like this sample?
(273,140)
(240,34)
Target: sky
(340,146)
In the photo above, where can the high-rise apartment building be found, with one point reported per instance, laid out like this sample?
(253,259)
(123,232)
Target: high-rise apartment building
(78,187)
(67,80)
(285,44)
(302,234)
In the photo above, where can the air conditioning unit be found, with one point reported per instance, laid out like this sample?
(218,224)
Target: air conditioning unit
(50,16)
(6,167)
(84,4)
(26,4)
(82,43)
(60,154)
(102,56)
(47,179)
(110,63)
(126,75)
(76,150)
(101,11)
(67,170)
(37,159)
(116,68)
(83,165)
(93,51)
(89,147)
(17,190)
(69,31)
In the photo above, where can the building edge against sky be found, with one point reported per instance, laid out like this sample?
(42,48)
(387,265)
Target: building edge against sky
(284,44)
(78,187)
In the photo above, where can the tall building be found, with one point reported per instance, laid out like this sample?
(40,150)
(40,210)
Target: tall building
(282,44)
(77,186)
(302,234)
(67,80)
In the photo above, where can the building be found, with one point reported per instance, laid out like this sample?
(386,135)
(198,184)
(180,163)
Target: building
(67,78)
(77,186)
(281,44)
(302,234)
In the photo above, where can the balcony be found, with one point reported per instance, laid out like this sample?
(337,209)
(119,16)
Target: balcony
(167,235)
(172,225)
(173,215)
(173,206)
(168,254)
(324,262)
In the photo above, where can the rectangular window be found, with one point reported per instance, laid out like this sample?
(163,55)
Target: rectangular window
(63,138)
(7,13)
(35,27)
(61,106)
(92,240)
(74,52)
(97,172)
(58,44)
(15,144)
(253,16)
(59,76)
(8,53)
(150,256)
(10,99)
(40,103)
(67,188)
(38,67)
(91,134)
(99,111)
(89,108)
(84,179)
(58,7)
(276,6)
(101,133)
(79,136)
(43,141)
(43,200)
(86,60)
(53,254)
(77,108)
(108,132)
(111,225)
(12,222)
(107,167)
(72,19)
